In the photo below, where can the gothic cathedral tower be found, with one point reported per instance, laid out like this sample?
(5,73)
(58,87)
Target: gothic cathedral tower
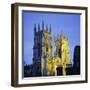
(42,49)
(62,51)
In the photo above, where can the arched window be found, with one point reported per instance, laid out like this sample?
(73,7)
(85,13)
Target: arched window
(46,49)
(59,52)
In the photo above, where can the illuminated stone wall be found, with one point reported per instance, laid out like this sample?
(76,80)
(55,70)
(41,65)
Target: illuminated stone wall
(44,62)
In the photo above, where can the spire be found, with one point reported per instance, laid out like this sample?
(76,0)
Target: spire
(46,27)
(64,35)
(54,45)
(57,36)
(50,28)
(34,28)
(54,38)
(42,25)
(38,27)
(61,36)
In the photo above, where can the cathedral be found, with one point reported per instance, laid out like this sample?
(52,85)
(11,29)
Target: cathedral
(48,59)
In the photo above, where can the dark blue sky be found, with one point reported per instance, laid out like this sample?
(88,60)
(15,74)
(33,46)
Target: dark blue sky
(65,23)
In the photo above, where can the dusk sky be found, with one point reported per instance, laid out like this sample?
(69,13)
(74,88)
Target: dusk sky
(65,23)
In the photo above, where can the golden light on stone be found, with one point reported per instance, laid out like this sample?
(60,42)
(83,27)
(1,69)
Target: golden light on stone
(61,58)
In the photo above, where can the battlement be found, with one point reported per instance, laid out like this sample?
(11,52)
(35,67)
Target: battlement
(43,28)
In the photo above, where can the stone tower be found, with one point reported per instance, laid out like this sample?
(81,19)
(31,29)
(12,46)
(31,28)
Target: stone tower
(65,54)
(42,49)
(61,50)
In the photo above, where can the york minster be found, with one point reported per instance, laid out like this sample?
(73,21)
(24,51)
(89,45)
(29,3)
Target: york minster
(51,55)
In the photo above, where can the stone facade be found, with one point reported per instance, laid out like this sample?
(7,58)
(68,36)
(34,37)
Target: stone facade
(48,60)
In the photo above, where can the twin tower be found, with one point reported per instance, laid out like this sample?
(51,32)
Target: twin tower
(42,51)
